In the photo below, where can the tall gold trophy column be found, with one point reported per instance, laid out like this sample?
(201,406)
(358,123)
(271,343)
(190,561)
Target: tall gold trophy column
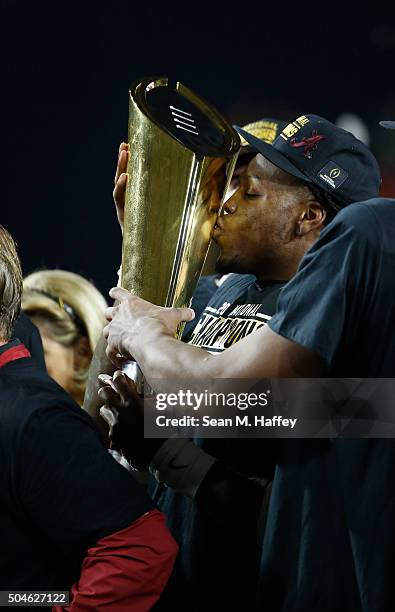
(181,151)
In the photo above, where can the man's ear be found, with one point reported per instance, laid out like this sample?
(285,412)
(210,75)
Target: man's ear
(82,354)
(311,219)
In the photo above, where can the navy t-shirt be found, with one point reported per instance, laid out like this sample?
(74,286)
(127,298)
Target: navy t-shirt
(330,534)
(238,308)
(217,567)
(60,489)
(341,303)
(205,289)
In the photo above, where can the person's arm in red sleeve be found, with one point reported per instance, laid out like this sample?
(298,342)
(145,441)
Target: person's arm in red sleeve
(101,528)
(126,570)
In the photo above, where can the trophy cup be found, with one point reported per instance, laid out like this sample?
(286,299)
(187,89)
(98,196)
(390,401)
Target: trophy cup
(182,155)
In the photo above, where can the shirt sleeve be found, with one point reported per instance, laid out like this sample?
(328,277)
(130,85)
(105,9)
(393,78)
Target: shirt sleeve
(71,489)
(323,305)
(127,570)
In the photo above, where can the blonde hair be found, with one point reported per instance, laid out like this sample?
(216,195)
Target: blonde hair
(10,284)
(71,306)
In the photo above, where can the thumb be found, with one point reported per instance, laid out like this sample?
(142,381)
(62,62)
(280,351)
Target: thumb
(185,314)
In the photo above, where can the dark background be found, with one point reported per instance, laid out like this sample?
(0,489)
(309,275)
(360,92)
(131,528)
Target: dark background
(65,72)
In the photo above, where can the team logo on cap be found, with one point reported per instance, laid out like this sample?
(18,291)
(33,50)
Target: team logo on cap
(309,144)
(333,175)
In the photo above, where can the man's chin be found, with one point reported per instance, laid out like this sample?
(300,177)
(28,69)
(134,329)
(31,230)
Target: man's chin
(226,266)
(220,267)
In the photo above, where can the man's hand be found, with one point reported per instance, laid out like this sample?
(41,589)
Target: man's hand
(120,181)
(133,320)
(123,412)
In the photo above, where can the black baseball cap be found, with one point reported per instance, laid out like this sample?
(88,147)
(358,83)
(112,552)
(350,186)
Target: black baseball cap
(388,125)
(317,151)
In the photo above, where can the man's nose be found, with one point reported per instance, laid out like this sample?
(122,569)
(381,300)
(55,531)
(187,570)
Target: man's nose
(230,206)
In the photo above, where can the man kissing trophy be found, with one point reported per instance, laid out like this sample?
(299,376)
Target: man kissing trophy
(182,155)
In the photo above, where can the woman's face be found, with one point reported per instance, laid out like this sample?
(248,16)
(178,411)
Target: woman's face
(59,359)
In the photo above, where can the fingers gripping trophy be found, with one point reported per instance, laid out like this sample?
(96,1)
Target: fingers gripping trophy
(182,155)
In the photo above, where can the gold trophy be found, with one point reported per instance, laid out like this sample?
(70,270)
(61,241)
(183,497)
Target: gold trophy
(182,155)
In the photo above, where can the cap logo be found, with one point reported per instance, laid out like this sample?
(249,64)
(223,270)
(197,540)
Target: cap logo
(333,175)
(309,144)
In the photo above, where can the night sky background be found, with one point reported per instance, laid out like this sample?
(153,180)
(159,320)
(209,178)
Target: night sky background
(65,72)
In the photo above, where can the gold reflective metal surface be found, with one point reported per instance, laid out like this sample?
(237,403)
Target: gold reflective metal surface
(172,201)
